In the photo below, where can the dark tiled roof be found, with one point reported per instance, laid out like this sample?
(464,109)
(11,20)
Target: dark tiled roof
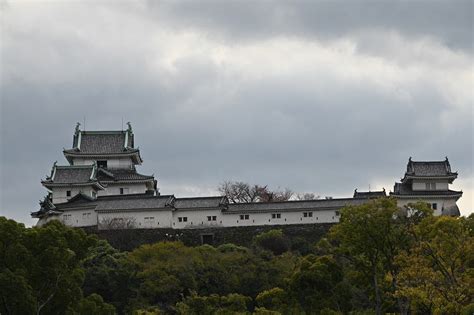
(200,202)
(429,169)
(107,142)
(131,202)
(111,175)
(369,194)
(72,175)
(405,189)
(119,202)
(314,205)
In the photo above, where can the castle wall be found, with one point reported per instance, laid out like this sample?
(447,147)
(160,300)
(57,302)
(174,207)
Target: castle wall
(145,219)
(60,193)
(79,218)
(440,202)
(114,189)
(128,239)
(120,163)
(286,217)
(421,184)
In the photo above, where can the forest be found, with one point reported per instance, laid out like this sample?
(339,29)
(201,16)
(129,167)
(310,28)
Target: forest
(377,260)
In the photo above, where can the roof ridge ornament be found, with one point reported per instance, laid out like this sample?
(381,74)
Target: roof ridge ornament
(129,129)
(77,130)
(53,170)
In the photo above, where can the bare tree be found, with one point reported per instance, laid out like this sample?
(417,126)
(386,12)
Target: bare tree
(306,196)
(240,192)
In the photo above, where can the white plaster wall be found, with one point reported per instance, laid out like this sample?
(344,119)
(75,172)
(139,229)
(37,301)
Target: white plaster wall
(78,218)
(441,202)
(114,189)
(122,163)
(196,218)
(421,185)
(59,193)
(161,218)
(43,221)
(294,217)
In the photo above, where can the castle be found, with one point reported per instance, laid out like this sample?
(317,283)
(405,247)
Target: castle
(102,188)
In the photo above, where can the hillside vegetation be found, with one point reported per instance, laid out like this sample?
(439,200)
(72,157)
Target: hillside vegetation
(375,261)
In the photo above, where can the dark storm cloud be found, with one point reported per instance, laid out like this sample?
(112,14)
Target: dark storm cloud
(238,92)
(448,21)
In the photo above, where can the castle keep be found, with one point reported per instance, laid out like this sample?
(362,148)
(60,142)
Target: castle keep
(101,187)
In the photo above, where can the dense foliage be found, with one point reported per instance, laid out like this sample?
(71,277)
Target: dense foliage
(376,260)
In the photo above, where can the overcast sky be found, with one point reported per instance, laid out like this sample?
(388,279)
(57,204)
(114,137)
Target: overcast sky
(320,97)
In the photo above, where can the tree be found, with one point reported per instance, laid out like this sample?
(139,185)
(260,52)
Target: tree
(306,196)
(213,304)
(110,274)
(272,240)
(94,305)
(319,284)
(240,192)
(44,262)
(369,237)
(437,272)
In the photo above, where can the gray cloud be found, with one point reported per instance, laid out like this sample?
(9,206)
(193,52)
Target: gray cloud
(450,22)
(274,94)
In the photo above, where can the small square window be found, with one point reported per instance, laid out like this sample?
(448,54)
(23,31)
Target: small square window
(305,214)
(102,164)
(180,219)
(310,214)
(241,217)
(185,219)
(68,193)
(214,218)
(247,217)
(121,191)
(337,213)
(273,215)
(209,218)
(434,206)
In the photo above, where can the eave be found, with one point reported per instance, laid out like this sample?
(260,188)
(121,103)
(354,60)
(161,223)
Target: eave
(450,177)
(50,185)
(135,155)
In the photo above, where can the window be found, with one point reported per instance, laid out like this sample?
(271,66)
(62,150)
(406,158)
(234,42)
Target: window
(434,206)
(430,186)
(182,219)
(337,213)
(68,193)
(124,191)
(310,214)
(307,214)
(212,218)
(94,194)
(276,215)
(149,220)
(102,164)
(244,217)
